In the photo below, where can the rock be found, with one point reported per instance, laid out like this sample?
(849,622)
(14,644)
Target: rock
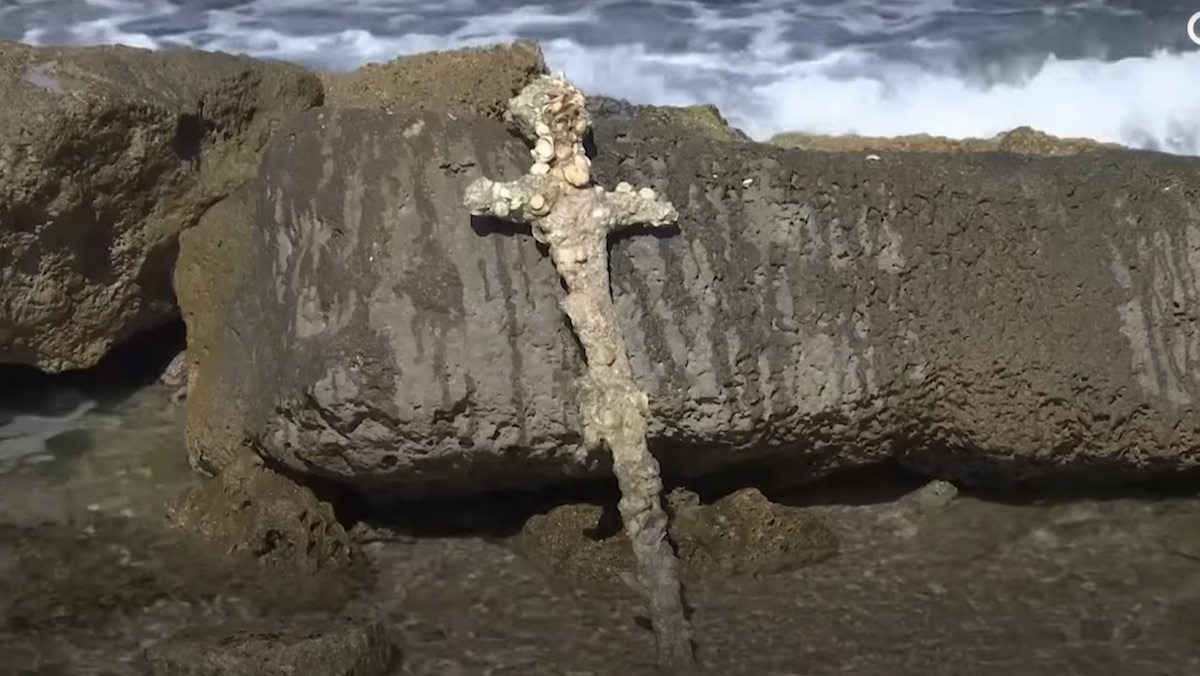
(477,80)
(706,119)
(220,241)
(175,376)
(932,497)
(252,517)
(334,647)
(1022,140)
(983,318)
(106,155)
(742,534)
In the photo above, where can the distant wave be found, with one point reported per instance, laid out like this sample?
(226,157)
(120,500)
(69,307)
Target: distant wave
(746,63)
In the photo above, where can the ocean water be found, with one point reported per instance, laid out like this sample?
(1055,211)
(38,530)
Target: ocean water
(1113,70)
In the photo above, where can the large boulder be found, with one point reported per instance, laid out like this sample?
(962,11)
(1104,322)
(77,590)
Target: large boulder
(984,317)
(106,155)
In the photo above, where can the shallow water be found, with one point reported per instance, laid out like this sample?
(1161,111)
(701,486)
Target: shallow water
(976,587)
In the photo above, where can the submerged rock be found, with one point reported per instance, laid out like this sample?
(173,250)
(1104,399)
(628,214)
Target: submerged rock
(106,155)
(249,518)
(333,647)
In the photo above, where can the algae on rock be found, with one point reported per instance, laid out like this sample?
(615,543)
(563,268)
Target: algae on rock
(574,217)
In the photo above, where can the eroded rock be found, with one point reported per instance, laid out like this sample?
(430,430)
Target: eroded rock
(478,80)
(705,119)
(106,155)
(1021,141)
(332,647)
(741,534)
(979,317)
(219,242)
(250,517)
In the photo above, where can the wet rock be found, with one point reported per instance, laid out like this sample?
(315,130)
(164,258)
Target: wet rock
(334,647)
(478,80)
(742,534)
(175,377)
(945,312)
(252,517)
(106,154)
(932,497)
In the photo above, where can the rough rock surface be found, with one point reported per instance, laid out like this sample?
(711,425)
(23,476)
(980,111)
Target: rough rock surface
(252,518)
(743,533)
(983,317)
(477,80)
(220,241)
(106,154)
(1022,141)
(332,647)
(705,119)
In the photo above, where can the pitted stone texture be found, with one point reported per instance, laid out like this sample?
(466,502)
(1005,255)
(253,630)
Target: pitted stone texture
(742,534)
(981,317)
(106,154)
(477,80)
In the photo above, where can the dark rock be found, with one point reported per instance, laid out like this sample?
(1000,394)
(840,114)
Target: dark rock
(336,647)
(106,155)
(982,317)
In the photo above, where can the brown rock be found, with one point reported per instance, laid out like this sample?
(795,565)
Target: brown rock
(219,242)
(742,534)
(250,516)
(474,80)
(1021,141)
(106,155)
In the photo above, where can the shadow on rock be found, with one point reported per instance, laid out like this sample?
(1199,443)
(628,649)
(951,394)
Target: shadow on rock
(741,534)
(251,519)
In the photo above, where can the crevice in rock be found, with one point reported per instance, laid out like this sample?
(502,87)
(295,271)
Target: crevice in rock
(128,366)
(502,514)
